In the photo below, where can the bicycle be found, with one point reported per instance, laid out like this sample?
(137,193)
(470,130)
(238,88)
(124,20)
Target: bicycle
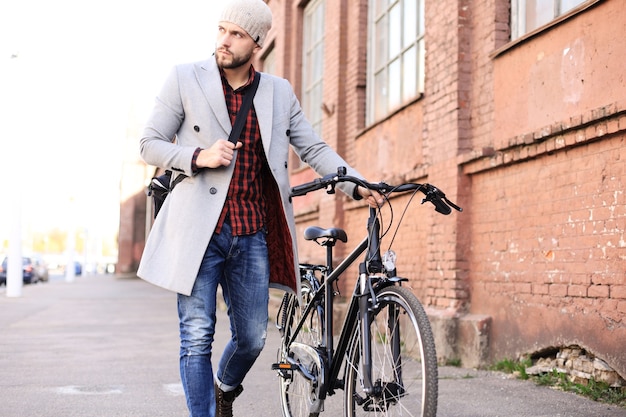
(386,348)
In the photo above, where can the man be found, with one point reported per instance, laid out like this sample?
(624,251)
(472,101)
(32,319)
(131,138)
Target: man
(230,221)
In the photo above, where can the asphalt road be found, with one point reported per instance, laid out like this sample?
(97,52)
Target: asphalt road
(108,346)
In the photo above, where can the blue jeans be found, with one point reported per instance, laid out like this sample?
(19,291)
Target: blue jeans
(240,265)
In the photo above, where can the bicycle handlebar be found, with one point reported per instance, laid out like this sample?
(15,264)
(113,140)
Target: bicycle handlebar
(431,193)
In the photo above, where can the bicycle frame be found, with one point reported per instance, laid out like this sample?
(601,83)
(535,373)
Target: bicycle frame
(317,359)
(360,304)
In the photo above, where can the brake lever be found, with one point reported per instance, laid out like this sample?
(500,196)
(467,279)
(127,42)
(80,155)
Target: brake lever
(451,204)
(439,200)
(440,205)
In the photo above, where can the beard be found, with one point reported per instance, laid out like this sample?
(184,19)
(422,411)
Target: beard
(232,61)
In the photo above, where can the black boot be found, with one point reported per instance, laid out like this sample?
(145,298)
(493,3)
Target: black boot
(224,401)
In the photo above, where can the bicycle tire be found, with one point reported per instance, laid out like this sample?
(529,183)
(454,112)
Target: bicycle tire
(297,394)
(406,390)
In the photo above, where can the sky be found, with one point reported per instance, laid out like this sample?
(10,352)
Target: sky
(71,74)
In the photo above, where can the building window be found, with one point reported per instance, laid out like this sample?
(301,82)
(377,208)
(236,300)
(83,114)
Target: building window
(269,62)
(395,55)
(528,15)
(313,63)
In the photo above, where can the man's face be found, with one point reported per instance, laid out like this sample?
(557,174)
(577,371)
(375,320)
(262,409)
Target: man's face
(234,47)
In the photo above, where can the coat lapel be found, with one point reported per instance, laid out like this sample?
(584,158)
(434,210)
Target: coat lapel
(210,82)
(208,76)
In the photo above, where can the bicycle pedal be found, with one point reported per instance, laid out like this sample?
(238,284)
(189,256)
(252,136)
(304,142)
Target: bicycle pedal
(283,366)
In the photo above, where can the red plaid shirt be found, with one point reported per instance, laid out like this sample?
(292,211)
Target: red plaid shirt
(245,206)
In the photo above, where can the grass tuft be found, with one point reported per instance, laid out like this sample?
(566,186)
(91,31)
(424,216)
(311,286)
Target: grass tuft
(595,390)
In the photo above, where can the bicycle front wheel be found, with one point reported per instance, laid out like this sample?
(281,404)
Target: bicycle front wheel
(403,361)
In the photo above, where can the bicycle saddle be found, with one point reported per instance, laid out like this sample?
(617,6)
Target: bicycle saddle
(316,232)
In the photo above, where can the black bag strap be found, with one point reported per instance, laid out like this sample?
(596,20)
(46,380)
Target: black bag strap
(178,179)
(240,121)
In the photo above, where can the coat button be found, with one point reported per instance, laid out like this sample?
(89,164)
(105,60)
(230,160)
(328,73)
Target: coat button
(288,132)
(213,190)
(286,165)
(196,128)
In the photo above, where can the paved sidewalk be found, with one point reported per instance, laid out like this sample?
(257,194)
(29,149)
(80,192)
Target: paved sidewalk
(108,346)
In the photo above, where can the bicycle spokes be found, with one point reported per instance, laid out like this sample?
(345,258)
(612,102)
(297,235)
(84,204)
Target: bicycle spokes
(402,361)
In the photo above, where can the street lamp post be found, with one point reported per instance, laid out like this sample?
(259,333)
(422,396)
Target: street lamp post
(14,261)
(15,155)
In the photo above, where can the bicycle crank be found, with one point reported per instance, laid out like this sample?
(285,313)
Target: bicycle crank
(304,361)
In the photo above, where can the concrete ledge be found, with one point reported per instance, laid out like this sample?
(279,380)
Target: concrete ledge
(463,337)
(473,340)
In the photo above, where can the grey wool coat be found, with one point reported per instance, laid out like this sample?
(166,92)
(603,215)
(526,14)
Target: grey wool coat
(192,108)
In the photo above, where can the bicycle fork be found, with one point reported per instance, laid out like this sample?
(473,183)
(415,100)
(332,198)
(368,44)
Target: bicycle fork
(385,390)
(365,316)
(388,391)
(367,298)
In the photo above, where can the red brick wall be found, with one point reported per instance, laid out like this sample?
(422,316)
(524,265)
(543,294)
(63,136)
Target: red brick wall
(527,136)
(548,250)
(131,235)
(547,208)
(558,75)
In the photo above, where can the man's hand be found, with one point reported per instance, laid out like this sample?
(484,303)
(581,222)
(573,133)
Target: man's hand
(219,154)
(373,198)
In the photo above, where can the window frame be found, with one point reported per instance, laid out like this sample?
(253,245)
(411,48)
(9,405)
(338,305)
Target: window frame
(381,63)
(313,39)
(269,61)
(518,25)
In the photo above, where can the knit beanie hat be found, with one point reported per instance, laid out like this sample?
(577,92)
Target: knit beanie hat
(253,16)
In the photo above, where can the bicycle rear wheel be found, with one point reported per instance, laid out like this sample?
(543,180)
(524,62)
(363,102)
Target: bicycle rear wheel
(298,394)
(404,361)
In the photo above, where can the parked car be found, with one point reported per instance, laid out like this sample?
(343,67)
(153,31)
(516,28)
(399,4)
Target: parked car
(33,270)
(41,268)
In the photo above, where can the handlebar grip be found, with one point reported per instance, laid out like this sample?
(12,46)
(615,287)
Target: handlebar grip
(316,184)
(302,189)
